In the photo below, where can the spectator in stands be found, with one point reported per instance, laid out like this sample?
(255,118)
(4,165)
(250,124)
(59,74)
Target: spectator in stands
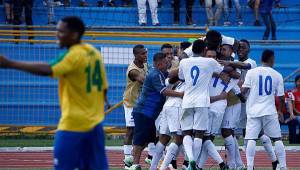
(264,7)
(18,7)
(251,4)
(126,3)
(238,13)
(8,11)
(189,11)
(81,3)
(141,4)
(212,17)
(296,102)
(50,6)
(110,3)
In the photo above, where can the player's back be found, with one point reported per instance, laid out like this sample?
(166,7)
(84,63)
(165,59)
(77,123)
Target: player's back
(82,80)
(197,73)
(264,84)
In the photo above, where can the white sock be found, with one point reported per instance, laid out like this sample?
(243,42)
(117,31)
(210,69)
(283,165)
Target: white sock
(184,153)
(159,149)
(238,159)
(212,151)
(171,154)
(127,150)
(230,146)
(151,149)
(280,152)
(188,147)
(267,143)
(203,156)
(250,153)
(197,145)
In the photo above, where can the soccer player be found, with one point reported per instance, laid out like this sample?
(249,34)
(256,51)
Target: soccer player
(197,72)
(79,140)
(244,64)
(149,105)
(135,75)
(263,83)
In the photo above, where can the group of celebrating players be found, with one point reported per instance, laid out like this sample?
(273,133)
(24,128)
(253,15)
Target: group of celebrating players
(189,98)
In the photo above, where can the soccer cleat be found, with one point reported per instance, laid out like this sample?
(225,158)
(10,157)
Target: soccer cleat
(128,161)
(148,161)
(135,167)
(185,165)
(274,164)
(192,166)
(241,167)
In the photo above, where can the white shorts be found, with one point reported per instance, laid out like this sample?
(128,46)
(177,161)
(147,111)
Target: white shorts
(231,116)
(243,117)
(194,119)
(128,116)
(169,123)
(214,123)
(269,123)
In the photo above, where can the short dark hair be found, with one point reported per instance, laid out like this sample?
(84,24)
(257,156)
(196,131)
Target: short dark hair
(158,57)
(297,78)
(198,46)
(267,55)
(213,36)
(74,24)
(137,47)
(184,45)
(165,46)
(245,41)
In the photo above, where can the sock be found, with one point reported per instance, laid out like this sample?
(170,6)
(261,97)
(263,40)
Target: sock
(238,159)
(188,147)
(184,153)
(267,143)
(197,145)
(151,149)
(230,147)
(203,156)
(245,144)
(212,151)
(127,150)
(280,152)
(250,153)
(171,154)
(159,149)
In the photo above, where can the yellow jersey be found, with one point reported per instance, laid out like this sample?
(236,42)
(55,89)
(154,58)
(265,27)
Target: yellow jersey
(133,88)
(82,81)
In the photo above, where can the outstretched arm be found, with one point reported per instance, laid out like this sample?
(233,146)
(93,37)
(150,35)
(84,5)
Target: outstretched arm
(42,69)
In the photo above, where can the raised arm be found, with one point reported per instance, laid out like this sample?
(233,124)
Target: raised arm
(42,69)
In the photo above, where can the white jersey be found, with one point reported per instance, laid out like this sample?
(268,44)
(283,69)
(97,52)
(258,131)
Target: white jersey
(216,87)
(264,84)
(197,73)
(175,101)
(244,71)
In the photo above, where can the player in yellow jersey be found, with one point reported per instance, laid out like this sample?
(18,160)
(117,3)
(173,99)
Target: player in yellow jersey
(79,140)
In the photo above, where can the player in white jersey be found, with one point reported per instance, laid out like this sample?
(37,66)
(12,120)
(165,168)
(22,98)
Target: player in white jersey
(244,64)
(169,127)
(263,83)
(218,91)
(197,72)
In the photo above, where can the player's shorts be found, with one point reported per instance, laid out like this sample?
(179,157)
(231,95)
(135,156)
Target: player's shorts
(214,123)
(169,123)
(144,130)
(128,116)
(269,124)
(243,117)
(80,150)
(231,116)
(194,119)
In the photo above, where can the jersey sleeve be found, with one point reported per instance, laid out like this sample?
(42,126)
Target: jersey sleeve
(188,51)
(180,72)
(103,74)
(247,82)
(64,64)
(158,82)
(280,87)
(217,68)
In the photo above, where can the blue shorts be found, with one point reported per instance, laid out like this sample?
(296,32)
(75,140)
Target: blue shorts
(144,130)
(81,150)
